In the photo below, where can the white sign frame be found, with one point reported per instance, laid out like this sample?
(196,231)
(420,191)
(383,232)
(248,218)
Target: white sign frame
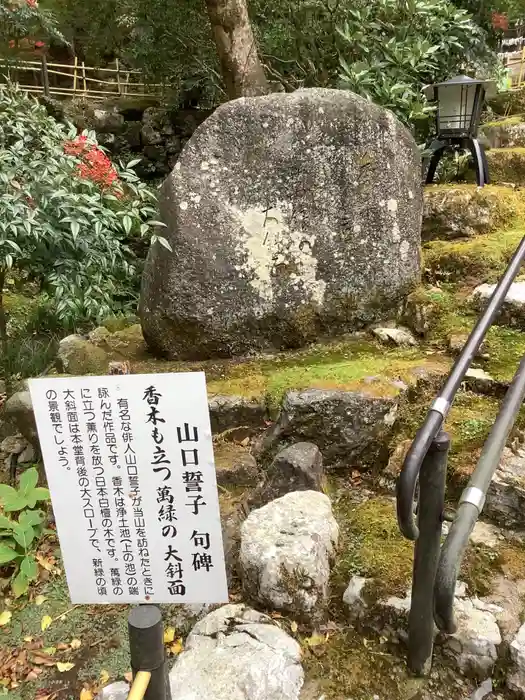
(165,471)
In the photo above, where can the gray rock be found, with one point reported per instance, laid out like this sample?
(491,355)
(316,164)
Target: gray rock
(510,133)
(401,337)
(234,465)
(481,382)
(474,646)
(289,216)
(19,412)
(516,679)
(236,653)
(487,535)
(505,501)
(349,427)
(458,212)
(227,412)
(286,549)
(107,121)
(114,691)
(296,468)
(353,596)
(78,356)
(513,310)
(27,455)
(508,596)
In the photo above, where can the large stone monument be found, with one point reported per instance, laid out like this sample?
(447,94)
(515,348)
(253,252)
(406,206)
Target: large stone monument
(290,216)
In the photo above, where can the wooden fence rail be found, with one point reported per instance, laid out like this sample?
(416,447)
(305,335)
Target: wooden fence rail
(78,80)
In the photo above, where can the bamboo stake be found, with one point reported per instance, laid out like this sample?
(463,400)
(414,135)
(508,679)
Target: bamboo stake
(84,76)
(75,68)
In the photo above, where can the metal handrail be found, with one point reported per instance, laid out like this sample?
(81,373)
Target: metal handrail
(406,485)
(435,567)
(471,503)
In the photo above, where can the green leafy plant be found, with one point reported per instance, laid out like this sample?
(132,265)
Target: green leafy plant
(21,529)
(63,229)
(23,19)
(394,47)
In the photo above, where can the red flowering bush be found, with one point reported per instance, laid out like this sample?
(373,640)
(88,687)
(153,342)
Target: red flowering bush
(25,26)
(95,165)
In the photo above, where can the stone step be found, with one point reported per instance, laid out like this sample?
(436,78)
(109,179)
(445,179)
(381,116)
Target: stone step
(505,133)
(465,210)
(507,165)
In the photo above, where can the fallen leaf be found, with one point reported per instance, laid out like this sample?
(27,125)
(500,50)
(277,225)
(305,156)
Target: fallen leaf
(86,694)
(28,639)
(62,646)
(315,640)
(75,644)
(5,618)
(50,650)
(47,564)
(38,657)
(176,647)
(63,667)
(294,627)
(169,635)
(128,677)
(40,599)
(104,677)
(245,442)
(33,674)
(46,621)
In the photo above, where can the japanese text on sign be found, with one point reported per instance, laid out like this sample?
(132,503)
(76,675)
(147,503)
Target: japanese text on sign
(129,462)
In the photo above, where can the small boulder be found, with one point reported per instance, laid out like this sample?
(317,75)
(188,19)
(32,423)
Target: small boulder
(296,468)
(236,653)
(349,427)
(227,412)
(78,356)
(234,465)
(286,550)
(505,502)
(114,691)
(107,121)
(516,679)
(400,337)
(19,412)
(474,646)
(513,310)
(460,212)
(124,344)
(353,596)
(481,382)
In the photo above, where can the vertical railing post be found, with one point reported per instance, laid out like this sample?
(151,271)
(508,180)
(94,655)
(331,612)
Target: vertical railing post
(432,480)
(45,76)
(146,646)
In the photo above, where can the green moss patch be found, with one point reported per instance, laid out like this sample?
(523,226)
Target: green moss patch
(343,364)
(482,259)
(371,546)
(465,210)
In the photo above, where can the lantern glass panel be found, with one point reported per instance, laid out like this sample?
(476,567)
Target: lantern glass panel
(456,105)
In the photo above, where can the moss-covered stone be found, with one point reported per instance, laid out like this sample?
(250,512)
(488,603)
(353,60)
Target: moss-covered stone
(124,344)
(505,133)
(462,211)
(507,165)
(481,259)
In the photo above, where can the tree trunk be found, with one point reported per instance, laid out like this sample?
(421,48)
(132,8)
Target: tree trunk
(242,71)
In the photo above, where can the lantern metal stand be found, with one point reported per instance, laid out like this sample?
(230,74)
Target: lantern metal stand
(459,104)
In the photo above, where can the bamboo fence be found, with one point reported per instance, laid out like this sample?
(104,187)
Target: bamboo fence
(78,80)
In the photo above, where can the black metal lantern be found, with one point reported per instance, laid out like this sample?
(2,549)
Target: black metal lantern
(459,104)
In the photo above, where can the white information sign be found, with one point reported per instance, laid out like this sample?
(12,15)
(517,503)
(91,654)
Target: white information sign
(129,463)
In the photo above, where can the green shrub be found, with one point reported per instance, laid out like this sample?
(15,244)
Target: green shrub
(392,48)
(66,216)
(20,536)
